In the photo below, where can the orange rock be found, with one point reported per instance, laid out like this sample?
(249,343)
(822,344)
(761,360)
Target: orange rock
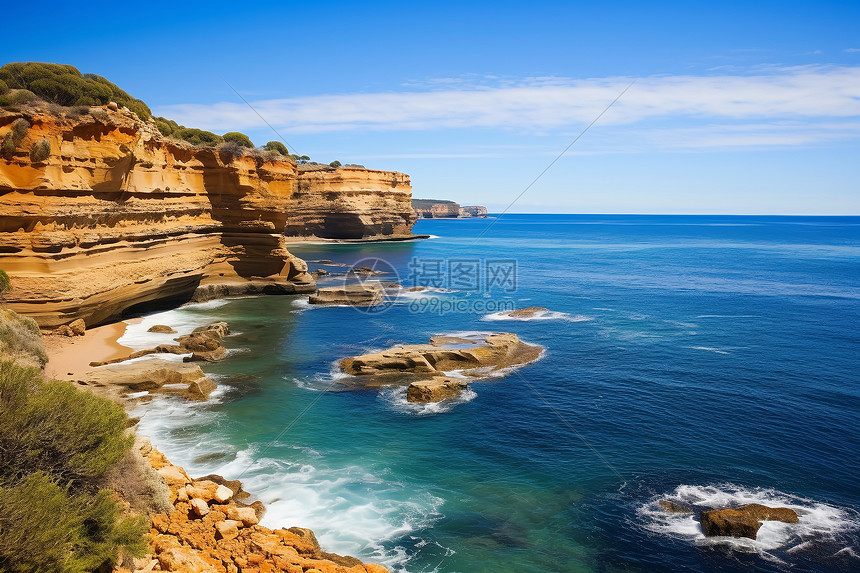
(228,528)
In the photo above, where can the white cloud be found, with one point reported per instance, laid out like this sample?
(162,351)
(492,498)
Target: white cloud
(814,97)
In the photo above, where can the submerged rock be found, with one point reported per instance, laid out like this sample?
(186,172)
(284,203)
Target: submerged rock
(527,312)
(743,521)
(674,507)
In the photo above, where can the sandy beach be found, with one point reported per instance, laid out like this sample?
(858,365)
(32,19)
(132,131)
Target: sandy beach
(69,357)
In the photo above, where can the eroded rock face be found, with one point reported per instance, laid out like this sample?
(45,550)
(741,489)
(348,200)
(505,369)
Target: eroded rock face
(119,216)
(743,521)
(423,366)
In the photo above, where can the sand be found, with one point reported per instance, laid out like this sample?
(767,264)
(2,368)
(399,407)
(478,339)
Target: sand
(69,357)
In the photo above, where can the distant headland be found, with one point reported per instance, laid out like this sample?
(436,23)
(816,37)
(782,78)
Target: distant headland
(444,209)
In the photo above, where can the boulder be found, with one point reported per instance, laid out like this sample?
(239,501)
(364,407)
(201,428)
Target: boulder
(161,328)
(743,521)
(227,529)
(78,327)
(200,507)
(223,494)
(246,515)
(434,390)
(202,489)
(354,295)
(200,389)
(207,355)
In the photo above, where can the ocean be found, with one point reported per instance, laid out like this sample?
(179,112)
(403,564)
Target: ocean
(709,360)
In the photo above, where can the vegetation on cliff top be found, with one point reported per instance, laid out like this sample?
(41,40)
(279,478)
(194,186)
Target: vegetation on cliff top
(65,85)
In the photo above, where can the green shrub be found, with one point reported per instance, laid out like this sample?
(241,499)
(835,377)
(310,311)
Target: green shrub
(41,150)
(65,85)
(20,339)
(4,88)
(239,138)
(19,129)
(197,136)
(335,163)
(8,146)
(43,528)
(70,435)
(56,445)
(166,126)
(5,283)
(277,147)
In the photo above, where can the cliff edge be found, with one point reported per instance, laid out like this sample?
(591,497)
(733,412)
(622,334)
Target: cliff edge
(102,214)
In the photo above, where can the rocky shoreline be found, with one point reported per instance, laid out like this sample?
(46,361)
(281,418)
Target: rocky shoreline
(207,528)
(203,525)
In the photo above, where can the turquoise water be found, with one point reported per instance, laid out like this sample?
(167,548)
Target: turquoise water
(711,360)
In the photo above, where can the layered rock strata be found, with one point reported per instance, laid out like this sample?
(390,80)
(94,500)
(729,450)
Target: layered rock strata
(118,217)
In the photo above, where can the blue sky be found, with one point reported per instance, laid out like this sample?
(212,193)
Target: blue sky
(736,107)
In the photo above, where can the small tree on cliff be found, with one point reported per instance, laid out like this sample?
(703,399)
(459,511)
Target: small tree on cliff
(5,283)
(277,147)
(239,138)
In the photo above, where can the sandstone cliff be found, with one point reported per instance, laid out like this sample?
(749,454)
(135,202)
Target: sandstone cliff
(444,209)
(118,216)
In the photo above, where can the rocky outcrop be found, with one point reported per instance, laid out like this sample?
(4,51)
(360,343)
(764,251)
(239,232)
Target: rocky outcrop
(208,529)
(203,344)
(473,211)
(118,217)
(443,209)
(743,521)
(424,365)
(527,312)
(353,295)
(154,376)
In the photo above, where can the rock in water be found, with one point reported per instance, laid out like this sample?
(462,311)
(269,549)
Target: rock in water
(434,390)
(422,366)
(354,295)
(674,507)
(743,521)
(161,328)
(527,312)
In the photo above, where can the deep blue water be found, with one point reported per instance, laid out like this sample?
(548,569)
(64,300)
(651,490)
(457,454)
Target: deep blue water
(708,359)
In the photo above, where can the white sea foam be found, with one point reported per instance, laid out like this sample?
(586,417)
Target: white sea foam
(395,397)
(709,349)
(182,320)
(539,315)
(817,521)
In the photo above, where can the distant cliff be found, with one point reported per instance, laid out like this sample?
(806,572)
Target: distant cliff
(100,213)
(444,209)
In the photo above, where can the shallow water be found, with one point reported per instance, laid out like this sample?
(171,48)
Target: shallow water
(707,359)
